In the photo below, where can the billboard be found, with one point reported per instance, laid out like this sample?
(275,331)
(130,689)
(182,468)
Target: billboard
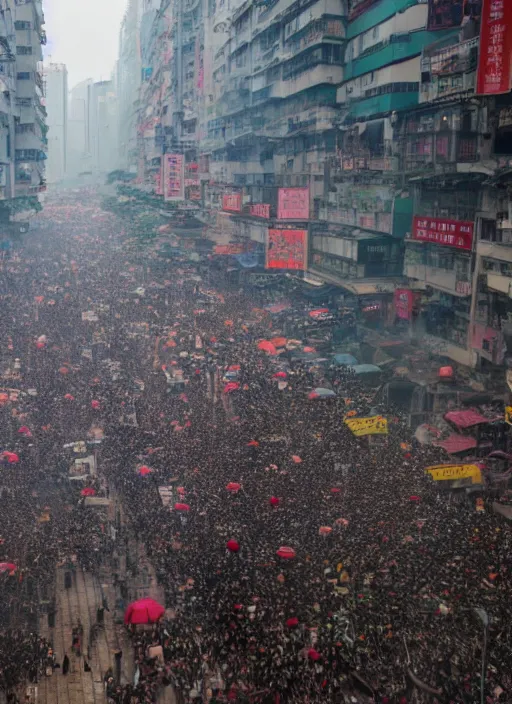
(450,233)
(495,59)
(450,14)
(287,249)
(260,210)
(232,202)
(293,204)
(174,177)
(404,303)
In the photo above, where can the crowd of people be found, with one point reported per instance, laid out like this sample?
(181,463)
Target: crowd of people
(380,592)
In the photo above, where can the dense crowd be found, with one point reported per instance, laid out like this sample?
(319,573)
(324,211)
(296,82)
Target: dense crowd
(386,571)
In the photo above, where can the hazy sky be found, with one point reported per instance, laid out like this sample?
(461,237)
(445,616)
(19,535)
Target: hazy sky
(84,35)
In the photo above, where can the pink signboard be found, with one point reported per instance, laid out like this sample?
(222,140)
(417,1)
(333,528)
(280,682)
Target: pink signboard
(260,210)
(232,202)
(293,204)
(174,177)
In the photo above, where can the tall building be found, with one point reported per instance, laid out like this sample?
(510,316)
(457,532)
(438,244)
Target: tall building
(102,126)
(78,151)
(128,82)
(56,91)
(23,128)
(366,141)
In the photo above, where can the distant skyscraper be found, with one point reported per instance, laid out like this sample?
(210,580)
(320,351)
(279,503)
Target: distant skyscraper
(56,84)
(79,154)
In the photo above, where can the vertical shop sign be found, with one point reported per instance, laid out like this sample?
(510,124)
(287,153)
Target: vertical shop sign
(174,177)
(495,59)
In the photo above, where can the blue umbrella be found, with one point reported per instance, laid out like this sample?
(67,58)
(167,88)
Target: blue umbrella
(346,359)
(366,369)
(321,393)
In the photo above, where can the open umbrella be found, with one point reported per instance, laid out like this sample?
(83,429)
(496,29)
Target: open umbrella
(7,567)
(69,397)
(233,486)
(233,545)
(144,471)
(231,386)
(11,457)
(181,507)
(144,611)
(95,404)
(321,393)
(88,491)
(279,341)
(267,346)
(286,553)
(344,359)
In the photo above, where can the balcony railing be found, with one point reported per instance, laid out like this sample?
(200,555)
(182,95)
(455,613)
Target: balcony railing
(434,152)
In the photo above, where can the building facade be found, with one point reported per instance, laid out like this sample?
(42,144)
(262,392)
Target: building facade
(128,84)
(23,140)
(56,92)
(78,150)
(366,143)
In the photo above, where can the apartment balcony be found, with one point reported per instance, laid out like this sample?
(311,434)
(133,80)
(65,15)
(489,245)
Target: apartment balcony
(222,19)
(29,141)
(316,75)
(502,251)
(448,70)
(500,283)
(446,280)
(440,152)
(365,108)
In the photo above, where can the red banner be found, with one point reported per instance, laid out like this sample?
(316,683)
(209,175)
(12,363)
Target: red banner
(174,177)
(450,233)
(293,204)
(232,202)
(495,59)
(287,249)
(404,302)
(260,210)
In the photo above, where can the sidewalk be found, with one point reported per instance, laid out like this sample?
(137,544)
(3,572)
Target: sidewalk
(75,605)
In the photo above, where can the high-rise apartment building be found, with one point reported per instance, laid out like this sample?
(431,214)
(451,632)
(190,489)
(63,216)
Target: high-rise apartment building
(128,82)
(56,91)
(23,128)
(78,151)
(367,142)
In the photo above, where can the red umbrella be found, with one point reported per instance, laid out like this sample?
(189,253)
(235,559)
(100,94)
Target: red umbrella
(234,368)
(266,346)
(309,349)
(181,490)
(181,507)
(414,498)
(335,490)
(280,375)
(7,567)
(144,611)
(25,431)
(64,370)
(253,443)
(325,530)
(11,457)
(144,471)
(286,553)
(292,622)
(313,654)
(233,486)
(88,491)
(231,386)
(274,501)
(233,545)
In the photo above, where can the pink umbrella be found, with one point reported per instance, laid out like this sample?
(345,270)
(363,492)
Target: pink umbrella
(95,404)
(268,347)
(11,457)
(274,501)
(69,397)
(286,553)
(25,431)
(144,611)
(325,530)
(233,486)
(88,491)
(7,567)
(231,386)
(280,375)
(181,507)
(292,622)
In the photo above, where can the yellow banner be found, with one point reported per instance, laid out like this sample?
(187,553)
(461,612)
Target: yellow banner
(508,415)
(450,472)
(376,425)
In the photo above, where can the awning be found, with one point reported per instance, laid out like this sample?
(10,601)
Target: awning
(456,443)
(373,134)
(465,419)
(368,288)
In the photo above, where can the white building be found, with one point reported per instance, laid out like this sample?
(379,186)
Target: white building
(56,84)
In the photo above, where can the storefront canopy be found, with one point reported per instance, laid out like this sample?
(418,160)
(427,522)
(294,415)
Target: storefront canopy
(456,443)
(465,419)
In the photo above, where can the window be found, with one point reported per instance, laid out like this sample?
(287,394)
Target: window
(23,75)
(24,50)
(21,24)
